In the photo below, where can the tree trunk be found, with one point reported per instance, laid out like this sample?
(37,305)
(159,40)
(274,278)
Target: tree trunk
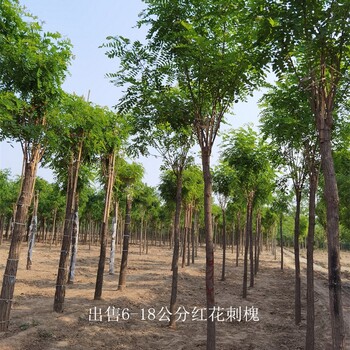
(33,230)
(124,262)
(297,294)
(19,229)
(256,238)
(75,241)
(258,230)
(185,237)
(189,230)
(73,172)
(310,311)
(141,234)
(223,245)
(251,247)
(175,262)
(332,208)
(54,231)
(238,233)
(28,227)
(209,248)
(281,239)
(113,238)
(146,238)
(109,163)
(194,226)
(8,227)
(2,221)
(247,238)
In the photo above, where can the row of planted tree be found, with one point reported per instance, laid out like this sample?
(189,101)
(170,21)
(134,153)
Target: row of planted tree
(198,59)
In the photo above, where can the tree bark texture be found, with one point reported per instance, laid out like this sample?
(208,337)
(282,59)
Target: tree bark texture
(297,292)
(193,229)
(109,166)
(208,227)
(126,236)
(75,241)
(310,311)
(322,101)
(258,241)
(332,209)
(246,246)
(33,231)
(223,245)
(73,172)
(19,230)
(238,238)
(281,238)
(251,243)
(113,238)
(175,262)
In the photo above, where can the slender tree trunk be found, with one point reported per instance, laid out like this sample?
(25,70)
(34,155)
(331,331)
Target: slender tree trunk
(146,238)
(46,231)
(185,237)
(19,229)
(209,249)
(251,247)
(247,239)
(256,245)
(223,244)
(322,99)
(126,236)
(33,230)
(194,226)
(75,241)
(8,227)
(238,232)
(297,294)
(188,245)
(258,229)
(2,221)
(73,172)
(109,165)
(113,238)
(189,230)
(28,227)
(121,238)
(281,238)
(332,209)
(54,231)
(141,234)
(310,311)
(175,262)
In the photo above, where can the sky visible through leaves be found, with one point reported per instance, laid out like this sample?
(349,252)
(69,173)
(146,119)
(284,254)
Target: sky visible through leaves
(87,24)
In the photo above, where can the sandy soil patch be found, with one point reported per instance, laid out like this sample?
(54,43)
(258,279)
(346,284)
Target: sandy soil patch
(143,324)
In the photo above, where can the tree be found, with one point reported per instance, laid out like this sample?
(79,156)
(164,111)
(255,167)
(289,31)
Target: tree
(129,175)
(153,112)
(209,54)
(78,129)
(248,155)
(185,192)
(146,211)
(311,39)
(280,207)
(224,179)
(33,67)
(288,122)
(112,136)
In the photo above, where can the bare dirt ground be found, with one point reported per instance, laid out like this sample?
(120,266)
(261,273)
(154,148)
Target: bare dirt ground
(35,326)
